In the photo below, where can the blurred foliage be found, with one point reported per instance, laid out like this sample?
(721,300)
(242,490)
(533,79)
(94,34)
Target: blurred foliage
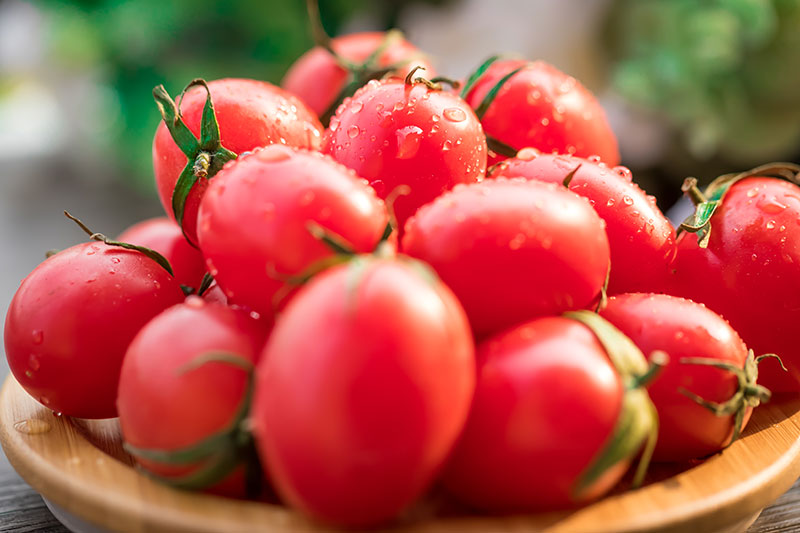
(131,46)
(725,73)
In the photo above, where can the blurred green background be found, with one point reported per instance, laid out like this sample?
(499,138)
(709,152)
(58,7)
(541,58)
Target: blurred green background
(691,87)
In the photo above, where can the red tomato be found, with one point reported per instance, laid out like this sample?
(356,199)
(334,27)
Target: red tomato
(547,401)
(750,271)
(364,386)
(401,134)
(641,239)
(542,107)
(165,237)
(170,401)
(686,330)
(512,250)
(254,220)
(250,114)
(72,318)
(319,79)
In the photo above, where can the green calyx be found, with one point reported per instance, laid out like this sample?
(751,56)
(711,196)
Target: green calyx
(206,156)
(637,426)
(218,454)
(749,393)
(706,202)
(152,254)
(358,74)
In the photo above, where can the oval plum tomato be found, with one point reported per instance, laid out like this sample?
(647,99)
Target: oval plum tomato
(397,133)
(539,436)
(72,318)
(363,388)
(512,250)
(255,223)
(750,270)
(694,338)
(165,237)
(184,392)
(641,239)
(541,107)
(246,114)
(321,81)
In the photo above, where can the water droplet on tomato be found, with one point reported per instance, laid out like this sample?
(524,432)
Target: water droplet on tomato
(770,224)
(447,146)
(156,284)
(527,154)
(334,123)
(408,142)
(398,106)
(454,114)
(610,202)
(353,131)
(517,242)
(37,336)
(91,280)
(782,228)
(770,205)
(434,129)
(356,106)
(434,118)
(545,121)
(91,251)
(378,107)
(754,257)
(32,426)
(627,200)
(592,158)
(623,172)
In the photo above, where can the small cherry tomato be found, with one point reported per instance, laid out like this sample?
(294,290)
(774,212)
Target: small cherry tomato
(257,221)
(641,239)
(512,250)
(363,388)
(400,134)
(184,391)
(72,318)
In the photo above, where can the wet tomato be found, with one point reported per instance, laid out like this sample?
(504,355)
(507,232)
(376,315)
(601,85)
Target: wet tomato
(641,239)
(257,220)
(398,133)
(512,250)
(72,318)
(363,388)
(541,107)
(246,114)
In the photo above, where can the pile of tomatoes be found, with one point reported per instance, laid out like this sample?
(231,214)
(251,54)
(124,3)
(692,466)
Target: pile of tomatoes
(448,283)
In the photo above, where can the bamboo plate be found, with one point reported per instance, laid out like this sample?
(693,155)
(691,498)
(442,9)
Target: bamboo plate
(80,468)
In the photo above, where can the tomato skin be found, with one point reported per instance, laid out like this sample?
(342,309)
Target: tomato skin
(164,406)
(363,388)
(750,272)
(250,114)
(512,250)
(683,329)
(543,108)
(254,220)
(641,239)
(72,318)
(165,237)
(317,78)
(396,134)
(546,400)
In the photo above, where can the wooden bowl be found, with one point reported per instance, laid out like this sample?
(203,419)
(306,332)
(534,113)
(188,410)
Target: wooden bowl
(80,467)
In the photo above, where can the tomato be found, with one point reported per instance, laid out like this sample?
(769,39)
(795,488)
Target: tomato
(319,79)
(750,271)
(165,237)
(547,402)
(541,107)
(397,133)
(171,401)
(688,331)
(72,318)
(641,239)
(249,114)
(254,222)
(363,389)
(512,250)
